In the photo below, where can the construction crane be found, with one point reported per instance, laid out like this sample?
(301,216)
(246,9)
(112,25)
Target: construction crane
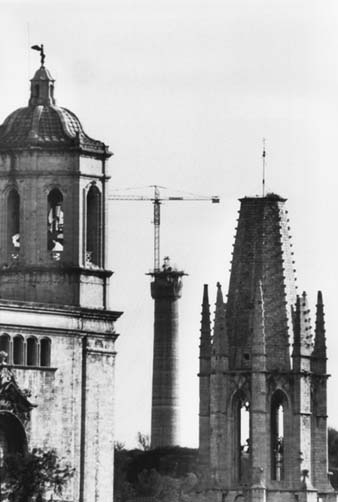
(157,198)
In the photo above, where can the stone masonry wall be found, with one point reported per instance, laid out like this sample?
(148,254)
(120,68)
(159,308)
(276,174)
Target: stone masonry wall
(74,396)
(99,422)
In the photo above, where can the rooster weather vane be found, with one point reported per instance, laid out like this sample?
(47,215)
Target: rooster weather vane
(42,53)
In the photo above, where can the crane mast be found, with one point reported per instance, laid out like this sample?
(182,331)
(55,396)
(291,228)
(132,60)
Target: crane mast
(157,223)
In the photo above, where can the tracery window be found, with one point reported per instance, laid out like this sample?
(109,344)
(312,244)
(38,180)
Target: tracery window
(278,405)
(242,442)
(93,224)
(55,222)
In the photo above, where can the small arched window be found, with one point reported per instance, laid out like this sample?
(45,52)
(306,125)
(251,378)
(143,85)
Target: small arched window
(13,223)
(45,346)
(93,231)
(32,351)
(55,221)
(18,350)
(5,344)
(278,406)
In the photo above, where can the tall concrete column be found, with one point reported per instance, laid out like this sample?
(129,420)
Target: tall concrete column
(165,290)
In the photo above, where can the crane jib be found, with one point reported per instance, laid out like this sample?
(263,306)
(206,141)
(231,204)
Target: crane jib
(157,199)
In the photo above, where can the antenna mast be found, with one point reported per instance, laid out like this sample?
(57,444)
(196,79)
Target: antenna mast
(263,162)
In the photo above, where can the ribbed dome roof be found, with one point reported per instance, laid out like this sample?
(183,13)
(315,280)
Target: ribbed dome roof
(43,124)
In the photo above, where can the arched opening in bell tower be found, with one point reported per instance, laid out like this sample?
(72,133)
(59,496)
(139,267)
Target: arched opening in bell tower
(13,224)
(241,436)
(93,230)
(55,221)
(278,407)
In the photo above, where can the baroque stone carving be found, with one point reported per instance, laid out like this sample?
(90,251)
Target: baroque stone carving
(12,398)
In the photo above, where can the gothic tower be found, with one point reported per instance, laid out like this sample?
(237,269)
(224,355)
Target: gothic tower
(265,385)
(55,325)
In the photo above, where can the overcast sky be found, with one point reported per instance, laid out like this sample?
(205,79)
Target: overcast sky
(183,92)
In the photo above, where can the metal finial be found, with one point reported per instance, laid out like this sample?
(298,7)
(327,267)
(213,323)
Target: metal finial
(263,162)
(42,53)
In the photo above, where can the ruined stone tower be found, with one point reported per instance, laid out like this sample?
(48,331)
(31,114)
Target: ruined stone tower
(263,417)
(55,324)
(166,290)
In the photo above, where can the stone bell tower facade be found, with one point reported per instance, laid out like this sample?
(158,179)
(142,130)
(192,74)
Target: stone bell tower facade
(263,416)
(55,322)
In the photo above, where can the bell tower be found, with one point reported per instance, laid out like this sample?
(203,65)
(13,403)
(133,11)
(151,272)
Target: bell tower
(53,177)
(264,378)
(55,323)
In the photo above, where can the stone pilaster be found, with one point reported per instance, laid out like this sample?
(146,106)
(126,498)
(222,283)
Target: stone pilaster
(302,349)
(258,410)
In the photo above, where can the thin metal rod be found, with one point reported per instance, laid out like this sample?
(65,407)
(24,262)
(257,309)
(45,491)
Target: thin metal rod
(263,162)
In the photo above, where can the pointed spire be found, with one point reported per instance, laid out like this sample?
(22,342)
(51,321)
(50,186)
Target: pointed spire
(319,351)
(204,382)
(258,338)
(220,337)
(205,339)
(303,342)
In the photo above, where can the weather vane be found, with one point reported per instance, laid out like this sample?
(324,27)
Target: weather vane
(42,53)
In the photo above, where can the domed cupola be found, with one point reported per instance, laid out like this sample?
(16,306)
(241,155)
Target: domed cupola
(44,125)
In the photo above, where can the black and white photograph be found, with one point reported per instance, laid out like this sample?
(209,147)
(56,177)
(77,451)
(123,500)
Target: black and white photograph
(168,251)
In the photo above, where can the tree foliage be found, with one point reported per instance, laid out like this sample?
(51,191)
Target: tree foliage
(143,441)
(31,474)
(166,473)
(333,456)
(161,473)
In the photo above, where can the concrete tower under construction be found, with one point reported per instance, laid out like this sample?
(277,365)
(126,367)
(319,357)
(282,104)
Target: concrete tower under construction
(263,377)
(166,289)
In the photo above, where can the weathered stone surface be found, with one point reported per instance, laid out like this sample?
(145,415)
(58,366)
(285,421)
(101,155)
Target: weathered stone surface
(273,368)
(52,289)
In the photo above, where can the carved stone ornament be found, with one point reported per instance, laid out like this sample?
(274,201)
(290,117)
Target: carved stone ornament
(279,381)
(241,383)
(12,398)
